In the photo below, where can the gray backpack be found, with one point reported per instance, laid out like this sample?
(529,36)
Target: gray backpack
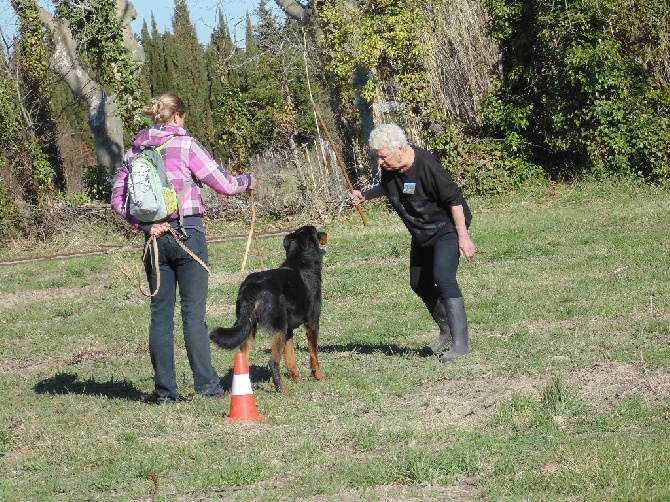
(150,196)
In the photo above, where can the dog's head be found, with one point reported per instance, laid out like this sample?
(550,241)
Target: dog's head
(305,240)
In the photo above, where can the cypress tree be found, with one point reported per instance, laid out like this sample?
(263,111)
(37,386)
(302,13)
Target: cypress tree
(146,72)
(263,89)
(284,83)
(218,55)
(222,58)
(155,64)
(188,73)
(250,39)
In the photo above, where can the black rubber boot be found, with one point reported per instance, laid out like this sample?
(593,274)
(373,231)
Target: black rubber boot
(439,315)
(458,323)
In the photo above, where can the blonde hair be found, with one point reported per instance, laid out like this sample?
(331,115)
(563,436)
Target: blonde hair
(162,108)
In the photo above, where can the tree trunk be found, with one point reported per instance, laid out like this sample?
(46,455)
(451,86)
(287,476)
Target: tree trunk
(103,117)
(294,10)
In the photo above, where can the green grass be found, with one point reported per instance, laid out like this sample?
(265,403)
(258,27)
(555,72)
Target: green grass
(564,397)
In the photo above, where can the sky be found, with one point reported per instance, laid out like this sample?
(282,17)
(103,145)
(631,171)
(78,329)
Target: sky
(203,15)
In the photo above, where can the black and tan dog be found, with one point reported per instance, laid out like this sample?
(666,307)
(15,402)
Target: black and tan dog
(280,300)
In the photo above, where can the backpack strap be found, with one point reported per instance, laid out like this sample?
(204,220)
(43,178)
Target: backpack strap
(159,150)
(161,147)
(187,185)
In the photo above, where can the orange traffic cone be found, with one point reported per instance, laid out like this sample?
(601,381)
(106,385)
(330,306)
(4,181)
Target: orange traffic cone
(242,403)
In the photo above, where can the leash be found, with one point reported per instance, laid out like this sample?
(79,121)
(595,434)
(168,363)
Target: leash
(252,234)
(152,245)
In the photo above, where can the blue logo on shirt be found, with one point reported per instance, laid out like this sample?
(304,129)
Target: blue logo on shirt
(409,188)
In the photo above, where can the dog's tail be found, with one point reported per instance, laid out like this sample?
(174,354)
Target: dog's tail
(237,334)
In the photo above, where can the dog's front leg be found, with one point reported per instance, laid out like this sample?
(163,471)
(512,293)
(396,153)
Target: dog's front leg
(278,342)
(312,331)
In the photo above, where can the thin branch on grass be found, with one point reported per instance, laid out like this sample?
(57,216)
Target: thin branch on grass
(154,478)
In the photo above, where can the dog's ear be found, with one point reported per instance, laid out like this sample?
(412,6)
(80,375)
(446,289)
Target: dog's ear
(290,243)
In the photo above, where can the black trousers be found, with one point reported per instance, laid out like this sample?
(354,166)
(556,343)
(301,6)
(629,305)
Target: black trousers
(432,270)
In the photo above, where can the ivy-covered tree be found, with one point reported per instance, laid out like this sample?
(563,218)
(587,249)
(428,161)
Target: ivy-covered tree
(344,82)
(43,174)
(15,159)
(96,54)
(371,53)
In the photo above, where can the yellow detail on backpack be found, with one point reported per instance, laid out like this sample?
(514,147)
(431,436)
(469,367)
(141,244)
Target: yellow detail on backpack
(170,197)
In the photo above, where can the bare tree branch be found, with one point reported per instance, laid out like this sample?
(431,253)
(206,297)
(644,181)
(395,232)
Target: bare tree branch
(295,10)
(128,14)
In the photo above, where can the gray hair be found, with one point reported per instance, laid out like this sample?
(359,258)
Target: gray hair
(389,136)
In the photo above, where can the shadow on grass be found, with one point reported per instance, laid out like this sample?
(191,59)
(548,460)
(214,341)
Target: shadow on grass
(68,383)
(388,349)
(259,373)
(256,374)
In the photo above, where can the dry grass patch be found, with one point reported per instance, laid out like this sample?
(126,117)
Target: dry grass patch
(605,383)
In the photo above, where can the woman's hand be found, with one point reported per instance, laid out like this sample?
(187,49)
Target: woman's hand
(252,183)
(466,247)
(159,229)
(356,197)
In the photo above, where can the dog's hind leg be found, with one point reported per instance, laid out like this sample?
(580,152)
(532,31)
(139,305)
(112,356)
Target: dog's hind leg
(289,358)
(278,343)
(312,335)
(245,348)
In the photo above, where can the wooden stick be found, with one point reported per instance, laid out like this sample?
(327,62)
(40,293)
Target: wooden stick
(339,160)
(258,251)
(256,240)
(251,230)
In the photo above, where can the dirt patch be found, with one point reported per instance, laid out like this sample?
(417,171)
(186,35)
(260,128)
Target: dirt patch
(13,300)
(470,403)
(51,363)
(459,492)
(605,383)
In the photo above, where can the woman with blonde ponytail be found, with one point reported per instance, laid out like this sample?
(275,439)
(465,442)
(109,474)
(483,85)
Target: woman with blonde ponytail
(186,159)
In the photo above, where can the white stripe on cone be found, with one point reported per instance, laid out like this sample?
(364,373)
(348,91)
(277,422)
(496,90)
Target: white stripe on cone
(241,385)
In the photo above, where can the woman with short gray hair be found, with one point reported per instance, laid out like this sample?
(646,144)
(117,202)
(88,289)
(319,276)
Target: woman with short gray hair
(431,206)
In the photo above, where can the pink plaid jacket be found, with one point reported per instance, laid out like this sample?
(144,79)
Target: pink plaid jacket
(185,158)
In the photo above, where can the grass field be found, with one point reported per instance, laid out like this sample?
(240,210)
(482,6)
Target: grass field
(565,396)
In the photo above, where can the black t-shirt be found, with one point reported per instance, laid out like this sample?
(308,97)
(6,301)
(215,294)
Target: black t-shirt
(423,195)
